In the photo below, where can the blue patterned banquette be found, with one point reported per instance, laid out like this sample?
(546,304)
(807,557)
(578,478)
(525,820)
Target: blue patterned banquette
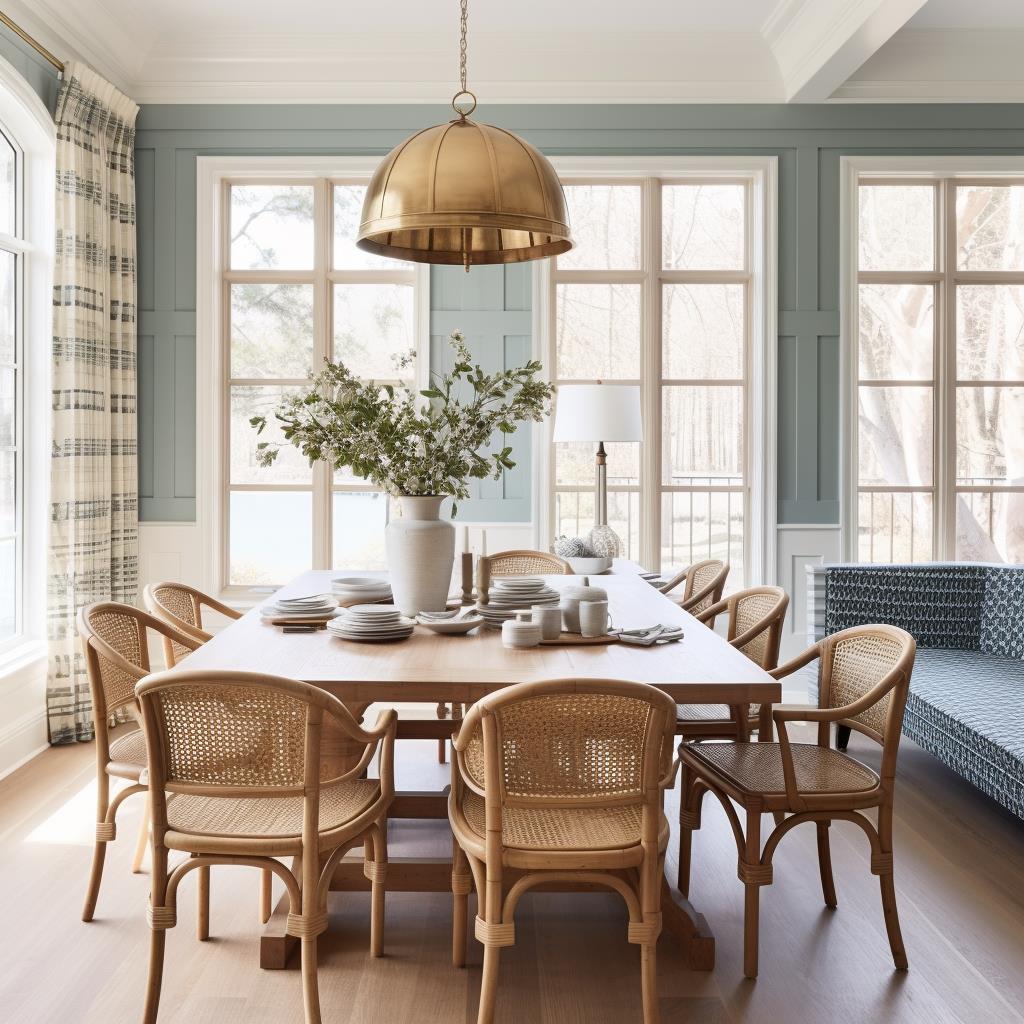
(966,703)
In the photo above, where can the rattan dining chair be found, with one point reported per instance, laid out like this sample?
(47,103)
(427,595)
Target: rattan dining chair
(756,616)
(703,583)
(182,607)
(115,638)
(240,753)
(864,679)
(561,781)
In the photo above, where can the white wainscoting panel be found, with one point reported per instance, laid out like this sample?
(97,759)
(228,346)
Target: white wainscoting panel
(798,547)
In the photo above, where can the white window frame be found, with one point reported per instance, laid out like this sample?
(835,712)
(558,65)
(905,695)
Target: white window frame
(761,176)
(966,168)
(215,175)
(30,126)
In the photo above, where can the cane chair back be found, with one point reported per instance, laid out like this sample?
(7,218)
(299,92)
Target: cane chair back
(117,651)
(240,734)
(525,563)
(182,607)
(864,662)
(705,582)
(756,616)
(569,743)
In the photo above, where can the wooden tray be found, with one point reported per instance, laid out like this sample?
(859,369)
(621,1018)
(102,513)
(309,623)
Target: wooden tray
(578,640)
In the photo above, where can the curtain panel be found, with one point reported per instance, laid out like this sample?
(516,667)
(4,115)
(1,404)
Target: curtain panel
(93,543)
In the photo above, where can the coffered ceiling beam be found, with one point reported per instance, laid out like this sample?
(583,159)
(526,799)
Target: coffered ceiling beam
(818,44)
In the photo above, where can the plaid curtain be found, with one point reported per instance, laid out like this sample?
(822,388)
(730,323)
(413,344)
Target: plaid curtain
(93,546)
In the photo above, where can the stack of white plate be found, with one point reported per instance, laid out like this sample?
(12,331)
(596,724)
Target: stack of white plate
(360,590)
(311,606)
(515,593)
(371,623)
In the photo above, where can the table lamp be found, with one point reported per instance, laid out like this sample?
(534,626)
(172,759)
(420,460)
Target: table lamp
(598,413)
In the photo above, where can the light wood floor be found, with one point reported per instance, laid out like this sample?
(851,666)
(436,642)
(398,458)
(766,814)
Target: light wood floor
(959,871)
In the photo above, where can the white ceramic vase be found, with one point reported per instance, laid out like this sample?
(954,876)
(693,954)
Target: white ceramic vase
(421,552)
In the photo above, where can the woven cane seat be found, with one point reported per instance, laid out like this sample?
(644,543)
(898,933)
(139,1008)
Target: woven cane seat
(757,767)
(128,755)
(268,817)
(702,712)
(559,828)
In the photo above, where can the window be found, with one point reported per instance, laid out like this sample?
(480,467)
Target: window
(12,248)
(26,305)
(297,291)
(940,369)
(660,291)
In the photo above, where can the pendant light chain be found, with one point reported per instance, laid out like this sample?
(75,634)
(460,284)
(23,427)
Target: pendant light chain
(462,45)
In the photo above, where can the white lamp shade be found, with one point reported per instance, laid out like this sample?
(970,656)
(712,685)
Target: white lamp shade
(598,412)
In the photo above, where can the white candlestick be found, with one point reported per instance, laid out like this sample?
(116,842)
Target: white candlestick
(483,543)
(465,540)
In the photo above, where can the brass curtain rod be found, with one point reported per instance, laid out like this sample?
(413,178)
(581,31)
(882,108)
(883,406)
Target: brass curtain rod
(34,43)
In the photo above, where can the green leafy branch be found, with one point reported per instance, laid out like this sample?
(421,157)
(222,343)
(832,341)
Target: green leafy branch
(392,438)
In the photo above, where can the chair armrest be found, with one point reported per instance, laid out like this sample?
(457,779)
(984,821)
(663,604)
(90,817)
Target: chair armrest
(382,737)
(674,582)
(805,713)
(716,609)
(699,595)
(172,633)
(219,606)
(108,653)
(470,724)
(796,663)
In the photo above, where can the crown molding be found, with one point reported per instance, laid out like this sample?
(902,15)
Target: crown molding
(95,38)
(558,67)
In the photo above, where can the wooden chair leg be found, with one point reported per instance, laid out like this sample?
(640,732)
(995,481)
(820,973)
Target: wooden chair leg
(143,841)
(649,982)
(750,865)
(104,834)
(883,867)
(689,819)
(310,983)
(266,894)
(99,854)
(462,881)
(378,888)
(160,920)
(828,887)
(892,921)
(489,984)
(203,903)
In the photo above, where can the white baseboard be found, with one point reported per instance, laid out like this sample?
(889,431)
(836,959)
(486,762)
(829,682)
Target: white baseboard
(21,740)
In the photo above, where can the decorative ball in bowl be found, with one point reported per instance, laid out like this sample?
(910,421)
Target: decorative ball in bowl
(589,566)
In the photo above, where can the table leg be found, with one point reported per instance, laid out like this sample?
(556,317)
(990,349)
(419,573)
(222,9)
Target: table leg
(690,927)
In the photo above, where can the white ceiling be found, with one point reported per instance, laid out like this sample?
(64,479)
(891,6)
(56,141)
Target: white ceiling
(657,51)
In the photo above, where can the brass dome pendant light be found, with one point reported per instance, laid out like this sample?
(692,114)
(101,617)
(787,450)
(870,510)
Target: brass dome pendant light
(464,192)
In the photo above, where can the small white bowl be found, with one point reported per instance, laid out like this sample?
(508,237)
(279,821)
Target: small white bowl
(589,566)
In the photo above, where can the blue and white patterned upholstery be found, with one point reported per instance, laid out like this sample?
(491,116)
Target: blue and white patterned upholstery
(966,702)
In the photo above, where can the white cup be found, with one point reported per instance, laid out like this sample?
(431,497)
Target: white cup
(594,618)
(549,618)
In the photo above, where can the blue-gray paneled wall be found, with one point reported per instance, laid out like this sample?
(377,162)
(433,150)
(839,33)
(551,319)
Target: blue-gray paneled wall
(808,141)
(35,69)
(491,307)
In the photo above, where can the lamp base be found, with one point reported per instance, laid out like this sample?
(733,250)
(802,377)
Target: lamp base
(605,542)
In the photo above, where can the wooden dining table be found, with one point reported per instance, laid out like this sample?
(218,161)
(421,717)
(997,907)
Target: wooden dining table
(431,669)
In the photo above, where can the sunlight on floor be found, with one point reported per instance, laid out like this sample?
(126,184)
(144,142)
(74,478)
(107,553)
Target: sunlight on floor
(74,822)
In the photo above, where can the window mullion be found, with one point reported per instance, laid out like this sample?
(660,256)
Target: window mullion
(945,374)
(323,236)
(650,374)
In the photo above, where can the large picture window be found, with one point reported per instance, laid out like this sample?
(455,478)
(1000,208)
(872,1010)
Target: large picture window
(940,369)
(659,292)
(297,291)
